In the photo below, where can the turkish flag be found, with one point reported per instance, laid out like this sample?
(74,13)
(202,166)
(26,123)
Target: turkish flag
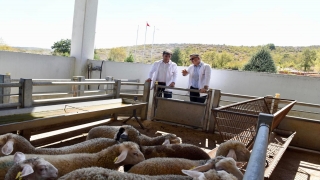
(148,24)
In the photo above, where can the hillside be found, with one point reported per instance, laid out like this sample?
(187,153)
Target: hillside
(219,56)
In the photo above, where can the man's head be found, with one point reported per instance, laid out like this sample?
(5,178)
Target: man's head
(195,59)
(166,55)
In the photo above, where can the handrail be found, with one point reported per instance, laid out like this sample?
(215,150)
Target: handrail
(10,85)
(256,164)
(68,83)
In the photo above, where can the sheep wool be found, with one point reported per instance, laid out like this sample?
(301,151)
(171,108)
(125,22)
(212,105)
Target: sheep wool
(96,173)
(129,133)
(126,153)
(11,143)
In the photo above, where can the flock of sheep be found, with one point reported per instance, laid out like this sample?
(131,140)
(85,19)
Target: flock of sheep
(109,147)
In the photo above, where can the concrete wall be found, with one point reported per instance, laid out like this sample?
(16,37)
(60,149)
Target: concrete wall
(300,88)
(24,65)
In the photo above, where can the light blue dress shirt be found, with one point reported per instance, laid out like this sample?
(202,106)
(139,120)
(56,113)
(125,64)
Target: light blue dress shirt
(195,76)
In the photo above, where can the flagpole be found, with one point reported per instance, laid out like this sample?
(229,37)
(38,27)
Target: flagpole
(135,49)
(154,30)
(145,38)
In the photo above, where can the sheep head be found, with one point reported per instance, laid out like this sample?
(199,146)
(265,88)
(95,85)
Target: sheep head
(234,149)
(35,168)
(127,133)
(129,154)
(171,139)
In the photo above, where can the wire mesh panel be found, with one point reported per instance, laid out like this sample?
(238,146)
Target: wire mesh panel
(238,121)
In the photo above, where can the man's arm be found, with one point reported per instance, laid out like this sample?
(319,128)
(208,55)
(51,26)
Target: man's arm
(152,70)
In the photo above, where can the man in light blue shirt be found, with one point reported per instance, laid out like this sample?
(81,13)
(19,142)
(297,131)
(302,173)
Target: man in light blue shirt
(199,78)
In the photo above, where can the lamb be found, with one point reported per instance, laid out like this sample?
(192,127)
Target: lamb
(234,149)
(122,154)
(227,164)
(129,133)
(210,175)
(31,169)
(161,166)
(187,151)
(11,143)
(96,173)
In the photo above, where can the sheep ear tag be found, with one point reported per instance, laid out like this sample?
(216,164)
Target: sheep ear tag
(194,174)
(7,148)
(166,142)
(27,170)
(19,156)
(121,157)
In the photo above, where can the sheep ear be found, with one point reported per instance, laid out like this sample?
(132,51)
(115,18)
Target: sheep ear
(121,157)
(203,168)
(166,142)
(27,170)
(7,148)
(194,174)
(232,154)
(19,156)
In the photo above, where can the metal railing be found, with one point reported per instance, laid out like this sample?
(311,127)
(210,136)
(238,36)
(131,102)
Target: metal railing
(256,164)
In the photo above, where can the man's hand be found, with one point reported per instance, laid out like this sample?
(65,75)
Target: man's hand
(148,80)
(203,90)
(172,84)
(184,72)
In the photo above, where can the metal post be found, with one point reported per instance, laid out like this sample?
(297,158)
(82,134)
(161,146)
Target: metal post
(208,107)
(78,90)
(5,91)
(25,92)
(145,98)
(256,164)
(215,104)
(116,93)
(109,87)
(154,100)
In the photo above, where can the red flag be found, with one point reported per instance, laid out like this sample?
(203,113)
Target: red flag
(148,24)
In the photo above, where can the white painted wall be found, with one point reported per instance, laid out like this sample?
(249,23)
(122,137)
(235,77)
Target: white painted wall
(34,66)
(300,88)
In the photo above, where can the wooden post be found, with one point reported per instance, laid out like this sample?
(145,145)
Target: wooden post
(215,104)
(5,91)
(25,93)
(145,98)
(208,107)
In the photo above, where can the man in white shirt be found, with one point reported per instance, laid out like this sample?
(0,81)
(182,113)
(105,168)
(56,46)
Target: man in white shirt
(199,78)
(165,72)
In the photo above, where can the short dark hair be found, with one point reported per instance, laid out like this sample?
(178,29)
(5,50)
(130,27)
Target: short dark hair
(167,52)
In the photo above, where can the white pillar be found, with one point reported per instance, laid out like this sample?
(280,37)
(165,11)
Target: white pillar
(83,34)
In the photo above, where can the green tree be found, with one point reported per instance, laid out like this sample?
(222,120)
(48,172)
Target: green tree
(210,58)
(222,60)
(130,58)
(117,54)
(177,57)
(62,47)
(271,46)
(261,62)
(308,59)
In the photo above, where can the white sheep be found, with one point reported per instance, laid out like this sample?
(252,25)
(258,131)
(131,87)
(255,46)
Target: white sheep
(113,157)
(11,143)
(31,169)
(161,166)
(235,149)
(129,133)
(227,164)
(96,173)
(210,175)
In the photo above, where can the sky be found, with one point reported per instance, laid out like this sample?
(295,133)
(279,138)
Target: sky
(40,23)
